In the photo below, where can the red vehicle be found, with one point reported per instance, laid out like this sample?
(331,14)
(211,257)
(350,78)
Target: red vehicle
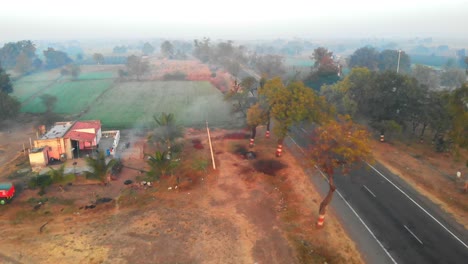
(7,191)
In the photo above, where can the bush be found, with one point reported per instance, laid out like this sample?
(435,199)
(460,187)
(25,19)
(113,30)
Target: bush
(175,76)
(40,181)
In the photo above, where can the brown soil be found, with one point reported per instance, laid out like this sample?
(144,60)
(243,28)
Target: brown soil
(246,211)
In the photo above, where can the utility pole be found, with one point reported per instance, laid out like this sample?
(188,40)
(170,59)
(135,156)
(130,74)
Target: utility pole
(398,65)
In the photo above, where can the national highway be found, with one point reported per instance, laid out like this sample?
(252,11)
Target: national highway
(389,220)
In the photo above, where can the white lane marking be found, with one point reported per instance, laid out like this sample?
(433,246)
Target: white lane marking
(419,240)
(360,219)
(370,191)
(420,207)
(305,131)
(352,209)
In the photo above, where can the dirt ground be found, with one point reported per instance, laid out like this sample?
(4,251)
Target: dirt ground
(246,211)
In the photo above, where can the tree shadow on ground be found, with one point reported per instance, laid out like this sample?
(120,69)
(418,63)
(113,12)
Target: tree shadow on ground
(269,167)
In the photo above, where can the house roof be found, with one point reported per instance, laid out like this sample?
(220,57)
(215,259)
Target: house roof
(58,130)
(75,134)
(96,124)
(81,136)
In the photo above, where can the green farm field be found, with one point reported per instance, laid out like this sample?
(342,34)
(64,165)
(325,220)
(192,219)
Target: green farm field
(72,96)
(132,104)
(30,85)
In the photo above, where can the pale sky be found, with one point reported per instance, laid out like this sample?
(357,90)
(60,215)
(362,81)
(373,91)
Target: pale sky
(239,19)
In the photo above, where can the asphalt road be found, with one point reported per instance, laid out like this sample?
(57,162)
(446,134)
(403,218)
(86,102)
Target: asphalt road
(389,220)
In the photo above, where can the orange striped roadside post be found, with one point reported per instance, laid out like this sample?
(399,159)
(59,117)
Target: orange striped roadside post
(267,134)
(320,220)
(251,143)
(382,138)
(279,150)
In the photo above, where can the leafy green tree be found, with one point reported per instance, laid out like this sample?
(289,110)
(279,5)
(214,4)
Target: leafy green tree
(452,78)
(291,104)
(367,57)
(270,65)
(325,69)
(136,66)
(24,64)
(338,95)
(435,113)
(202,49)
(49,102)
(426,76)
(242,96)
(71,69)
(339,144)
(5,82)
(167,49)
(55,58)
(388,60)
(75,70)
(98,58)
(393,97)
(10,52)
(458,110)
(320,56)
(9,106)
(166,131)
(100,166)
(360,82)
(147,49)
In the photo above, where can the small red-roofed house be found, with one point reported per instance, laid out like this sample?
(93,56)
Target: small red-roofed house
(85,135)
(66,140)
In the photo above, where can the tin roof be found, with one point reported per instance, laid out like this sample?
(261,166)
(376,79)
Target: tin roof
(58,130)
(81,136)
(96,124)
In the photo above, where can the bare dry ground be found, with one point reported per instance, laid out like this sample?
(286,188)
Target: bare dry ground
(246,211)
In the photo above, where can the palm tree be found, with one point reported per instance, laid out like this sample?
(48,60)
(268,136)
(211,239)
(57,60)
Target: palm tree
(166,131)
(100,166)
(160,165)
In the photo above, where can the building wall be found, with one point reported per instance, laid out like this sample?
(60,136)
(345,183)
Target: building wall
(57,146)
(98,136)
(38,158)
(85,130)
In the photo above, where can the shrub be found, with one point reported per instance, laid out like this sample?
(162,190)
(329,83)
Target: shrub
(40,181)
(175,76)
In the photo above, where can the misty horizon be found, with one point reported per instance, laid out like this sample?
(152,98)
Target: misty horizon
(245,20)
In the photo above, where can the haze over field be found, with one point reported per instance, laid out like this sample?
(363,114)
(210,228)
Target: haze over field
(243,19)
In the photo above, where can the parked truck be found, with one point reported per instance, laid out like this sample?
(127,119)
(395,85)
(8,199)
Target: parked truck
(7,191)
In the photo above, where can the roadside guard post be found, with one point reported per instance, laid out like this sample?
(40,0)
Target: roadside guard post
(279,150)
